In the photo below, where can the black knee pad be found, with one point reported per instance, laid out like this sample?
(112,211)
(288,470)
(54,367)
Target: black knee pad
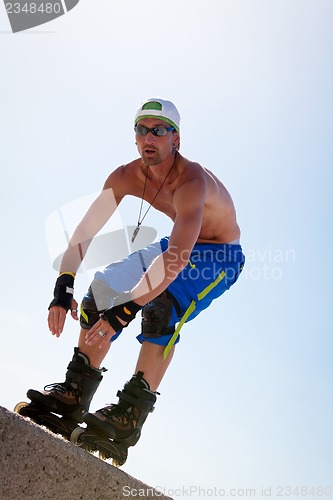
(89,315)
(96,300)
(156,316)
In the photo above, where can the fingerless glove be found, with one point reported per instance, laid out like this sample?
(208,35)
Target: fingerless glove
(122,308)
(63,291)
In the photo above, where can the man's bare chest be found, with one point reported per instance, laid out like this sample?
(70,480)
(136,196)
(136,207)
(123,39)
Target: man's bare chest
(162,200)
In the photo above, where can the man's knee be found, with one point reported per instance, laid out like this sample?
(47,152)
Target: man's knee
(89,315)
(156,316)
(98,298)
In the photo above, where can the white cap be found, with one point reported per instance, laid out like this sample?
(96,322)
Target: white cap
(159,108)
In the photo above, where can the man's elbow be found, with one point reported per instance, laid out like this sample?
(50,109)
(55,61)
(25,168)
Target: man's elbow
(175,263)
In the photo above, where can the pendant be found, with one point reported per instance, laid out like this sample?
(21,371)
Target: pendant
(135,233)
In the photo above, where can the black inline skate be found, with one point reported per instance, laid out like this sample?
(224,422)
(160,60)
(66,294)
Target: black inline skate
(60,407)
(113,429)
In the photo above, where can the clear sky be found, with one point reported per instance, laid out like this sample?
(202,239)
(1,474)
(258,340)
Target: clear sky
(247,403)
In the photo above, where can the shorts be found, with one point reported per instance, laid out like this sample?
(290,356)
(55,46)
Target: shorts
(212,269)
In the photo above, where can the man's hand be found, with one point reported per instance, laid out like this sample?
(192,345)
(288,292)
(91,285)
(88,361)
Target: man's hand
(57,316)
(100,333)
(113,320)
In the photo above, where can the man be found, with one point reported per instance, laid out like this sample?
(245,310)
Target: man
(171,281)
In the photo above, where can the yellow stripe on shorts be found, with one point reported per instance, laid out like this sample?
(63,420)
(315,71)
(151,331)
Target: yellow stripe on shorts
(190,310)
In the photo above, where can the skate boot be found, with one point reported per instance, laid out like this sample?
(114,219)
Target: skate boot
(123,421)
(71,398)
(111,430)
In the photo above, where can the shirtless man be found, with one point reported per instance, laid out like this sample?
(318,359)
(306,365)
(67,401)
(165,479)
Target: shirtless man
(171,280)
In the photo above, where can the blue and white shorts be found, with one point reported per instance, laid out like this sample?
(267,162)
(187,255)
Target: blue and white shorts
(212,269)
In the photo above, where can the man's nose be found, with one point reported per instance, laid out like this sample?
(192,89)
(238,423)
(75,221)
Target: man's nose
(150,138)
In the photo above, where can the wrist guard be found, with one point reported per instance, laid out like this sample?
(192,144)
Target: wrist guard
(125,310)
(63,291)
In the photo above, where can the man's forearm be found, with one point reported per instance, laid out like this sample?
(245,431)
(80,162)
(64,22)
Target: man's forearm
(73,257)
(163,271)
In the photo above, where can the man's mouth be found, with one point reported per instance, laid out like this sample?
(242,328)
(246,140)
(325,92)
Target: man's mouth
(149,151)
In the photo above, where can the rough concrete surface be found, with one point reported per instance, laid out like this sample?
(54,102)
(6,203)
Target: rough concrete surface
(36,464)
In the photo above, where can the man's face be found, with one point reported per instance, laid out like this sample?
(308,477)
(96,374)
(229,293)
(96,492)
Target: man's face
(153,149)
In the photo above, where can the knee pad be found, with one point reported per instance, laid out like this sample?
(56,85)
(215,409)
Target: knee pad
(89,315)
(96,300)
(156,316)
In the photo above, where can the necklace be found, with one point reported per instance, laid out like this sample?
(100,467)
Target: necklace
(140,220)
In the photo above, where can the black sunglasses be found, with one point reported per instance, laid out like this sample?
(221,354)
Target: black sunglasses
(158,131)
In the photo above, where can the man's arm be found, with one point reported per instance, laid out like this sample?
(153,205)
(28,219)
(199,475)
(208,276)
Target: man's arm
(189,201)
(97,215)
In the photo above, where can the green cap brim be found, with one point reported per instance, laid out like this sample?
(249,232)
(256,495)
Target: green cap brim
(163,118)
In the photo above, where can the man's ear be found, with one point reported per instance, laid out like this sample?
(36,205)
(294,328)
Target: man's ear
(176,140)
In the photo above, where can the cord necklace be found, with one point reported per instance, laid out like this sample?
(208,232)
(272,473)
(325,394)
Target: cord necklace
(140,220)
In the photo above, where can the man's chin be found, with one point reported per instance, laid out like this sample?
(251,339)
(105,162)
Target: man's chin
(150,160)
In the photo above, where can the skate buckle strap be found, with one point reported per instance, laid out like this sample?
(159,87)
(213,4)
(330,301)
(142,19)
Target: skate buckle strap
(78,367)
(139,403)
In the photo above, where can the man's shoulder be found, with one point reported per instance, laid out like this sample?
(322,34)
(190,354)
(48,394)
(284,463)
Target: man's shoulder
(123,179)
(128,167)
(132,164)
(190,170)
(124,170)
(186,162)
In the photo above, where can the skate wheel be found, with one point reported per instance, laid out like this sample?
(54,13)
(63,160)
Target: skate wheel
(106,456)
(76,436)
(102,455)
(116,463)
(19,406)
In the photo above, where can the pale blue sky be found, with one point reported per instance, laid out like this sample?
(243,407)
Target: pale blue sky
(248,399)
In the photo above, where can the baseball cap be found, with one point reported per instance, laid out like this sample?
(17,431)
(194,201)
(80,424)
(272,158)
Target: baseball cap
(159,108)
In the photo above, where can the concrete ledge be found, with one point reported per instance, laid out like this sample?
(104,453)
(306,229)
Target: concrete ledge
(36,464)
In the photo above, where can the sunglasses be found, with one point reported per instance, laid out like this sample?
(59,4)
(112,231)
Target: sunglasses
(158,131)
